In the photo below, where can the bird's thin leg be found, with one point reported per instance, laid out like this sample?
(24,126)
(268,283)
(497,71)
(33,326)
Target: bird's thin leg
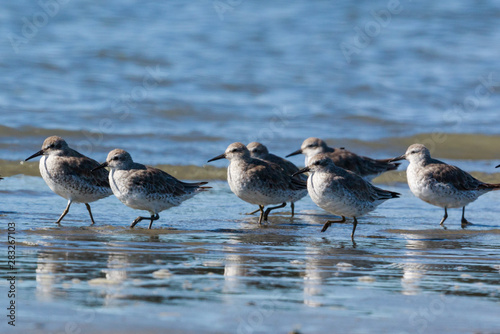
(465,222)
(90,213)
(354,227)
(261,209)
(292,205)
(253,212)
(153,218)
(445,216)
(138,219)
(64,212)
(330,222)
(266,214)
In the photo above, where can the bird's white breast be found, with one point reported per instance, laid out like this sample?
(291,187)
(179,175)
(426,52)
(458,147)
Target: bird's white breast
(437,193)
(251,189)
(334,197)
(67,183)
(49,175)
(141,198)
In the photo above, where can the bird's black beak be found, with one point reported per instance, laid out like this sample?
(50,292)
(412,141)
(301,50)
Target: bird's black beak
(222,156)
(401,157)
(37,154)
(104,164)
(299,151)
(302,171)
(497,166)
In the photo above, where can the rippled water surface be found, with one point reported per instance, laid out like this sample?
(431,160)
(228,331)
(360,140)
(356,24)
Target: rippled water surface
(175,82)
(206,267)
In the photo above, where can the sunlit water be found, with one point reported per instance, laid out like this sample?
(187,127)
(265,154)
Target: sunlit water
(186,83)
(207,267)
(175,82)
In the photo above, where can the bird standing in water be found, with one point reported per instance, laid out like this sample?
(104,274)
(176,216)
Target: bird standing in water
(68,174)
(365,167)
(146,188)
(440,184)
(259,151)
(342,192)
(258,181)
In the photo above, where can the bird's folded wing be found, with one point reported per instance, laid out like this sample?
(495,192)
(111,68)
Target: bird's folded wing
(82,167)
(452,175)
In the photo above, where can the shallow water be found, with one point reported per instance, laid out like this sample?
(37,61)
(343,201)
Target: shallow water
(274,73)
(206,267)
(174,83)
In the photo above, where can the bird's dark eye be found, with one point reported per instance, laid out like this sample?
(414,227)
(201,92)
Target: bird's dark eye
(115,158)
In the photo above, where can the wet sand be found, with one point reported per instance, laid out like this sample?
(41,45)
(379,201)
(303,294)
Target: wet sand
(207,268)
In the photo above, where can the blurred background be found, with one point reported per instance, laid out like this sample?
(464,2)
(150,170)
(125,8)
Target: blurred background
(175,82)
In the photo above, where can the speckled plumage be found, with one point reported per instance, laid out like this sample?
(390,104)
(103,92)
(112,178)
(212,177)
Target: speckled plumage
(342,192)
(365,167)
(260,151)
(440,184)
(146,188)
(258,181)
(68,174)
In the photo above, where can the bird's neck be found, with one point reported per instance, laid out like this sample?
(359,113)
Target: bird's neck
(421,161)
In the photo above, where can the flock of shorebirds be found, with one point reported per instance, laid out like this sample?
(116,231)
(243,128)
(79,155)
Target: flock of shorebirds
(338,180)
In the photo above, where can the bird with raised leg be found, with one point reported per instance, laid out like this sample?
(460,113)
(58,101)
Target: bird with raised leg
(146,188)
(342,192)
(258,181)
(260,151)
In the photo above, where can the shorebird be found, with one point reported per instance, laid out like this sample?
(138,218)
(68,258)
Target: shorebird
(260,151)
(363,166)
(342,192)
(146,188)
(67,173)
(440,184)
(258,181)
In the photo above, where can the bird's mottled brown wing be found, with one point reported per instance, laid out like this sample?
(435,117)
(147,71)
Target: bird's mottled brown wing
(273,175)
(154,180)
(82,167)
(287,166)
(364,190)
(360,165)
(453,175)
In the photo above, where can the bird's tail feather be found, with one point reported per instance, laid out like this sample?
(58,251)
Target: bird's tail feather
(197,185)
(490,186)
(386,194)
